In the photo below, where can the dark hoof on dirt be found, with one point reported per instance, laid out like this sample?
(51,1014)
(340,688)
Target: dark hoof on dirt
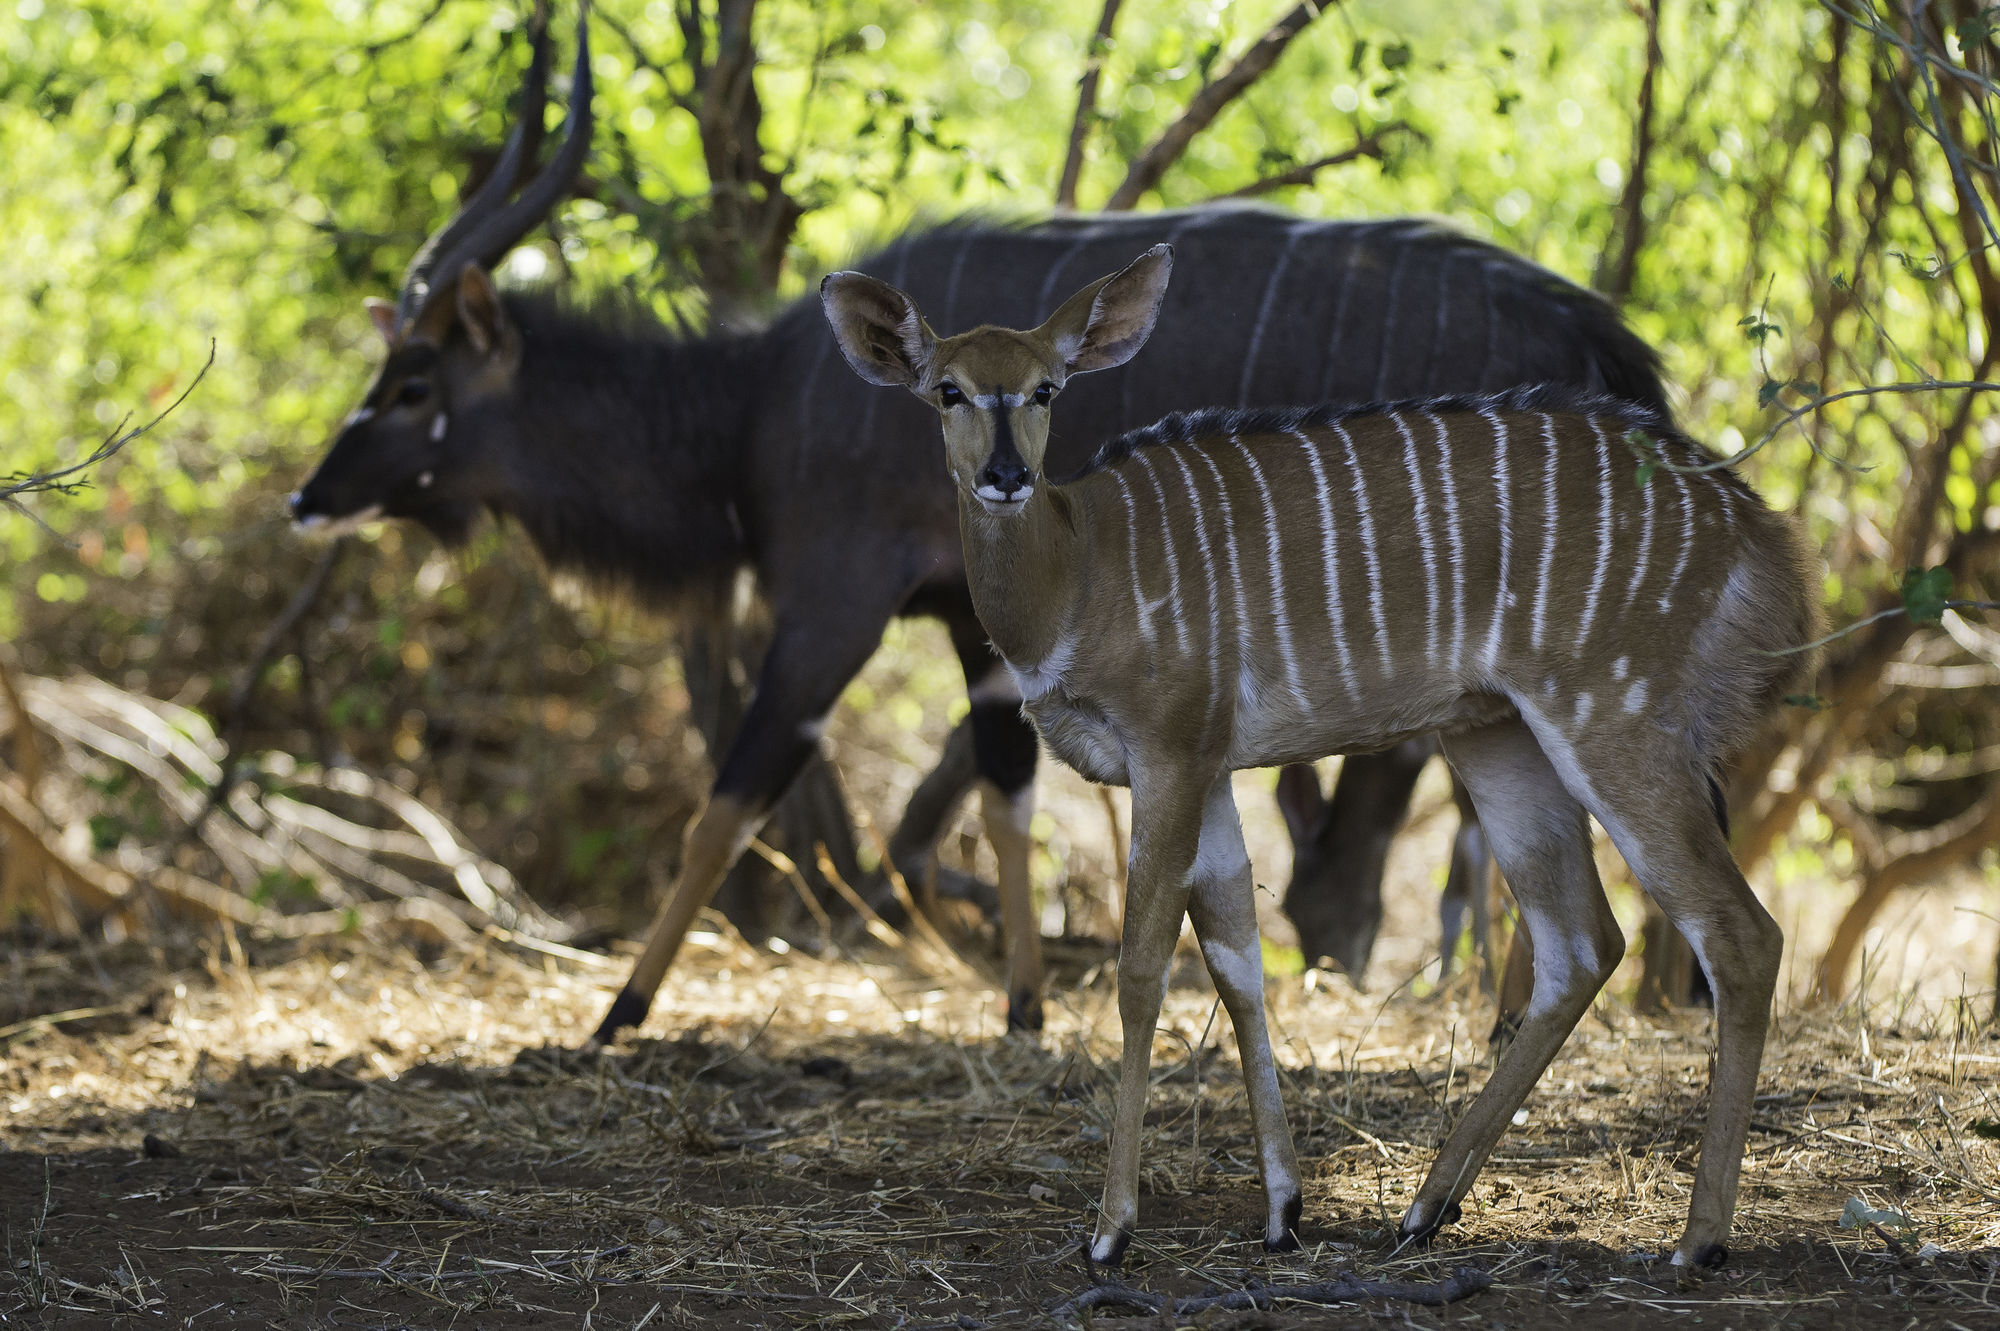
(1288,1233)
(1106,1254)
(627,1011)
(1024,1011)
(1417,1229)
(1709,1257)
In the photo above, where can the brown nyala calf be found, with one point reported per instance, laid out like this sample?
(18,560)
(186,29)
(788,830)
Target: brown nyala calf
(1232,589)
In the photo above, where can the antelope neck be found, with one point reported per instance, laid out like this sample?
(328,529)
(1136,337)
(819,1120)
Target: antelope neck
(1022,568)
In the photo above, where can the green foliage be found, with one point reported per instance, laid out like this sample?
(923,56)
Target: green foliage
(1926,594)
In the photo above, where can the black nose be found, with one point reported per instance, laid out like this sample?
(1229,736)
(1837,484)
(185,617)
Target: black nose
(1005,475)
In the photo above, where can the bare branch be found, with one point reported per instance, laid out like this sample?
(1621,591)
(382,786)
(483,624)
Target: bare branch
(1086,104)
(1616,267)
(1208,104)
(1369,145)
(59,480)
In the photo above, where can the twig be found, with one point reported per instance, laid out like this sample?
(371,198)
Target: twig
(1463,1283)
(1209,103)
(12,487)
(1368,145)
(1086,104)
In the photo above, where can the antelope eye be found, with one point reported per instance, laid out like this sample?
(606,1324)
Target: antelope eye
(412,392)
(950,396)
(1044,394)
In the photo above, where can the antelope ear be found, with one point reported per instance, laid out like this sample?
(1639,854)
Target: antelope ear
(1301,800)
(1106,323)
(878,329)
(383,313)
(479,310)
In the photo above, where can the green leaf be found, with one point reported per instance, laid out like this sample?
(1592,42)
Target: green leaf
(1768,392)
(1646,470)
(1395,57)
(1926,593)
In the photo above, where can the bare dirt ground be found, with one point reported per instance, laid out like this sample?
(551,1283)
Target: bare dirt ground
(358,1135)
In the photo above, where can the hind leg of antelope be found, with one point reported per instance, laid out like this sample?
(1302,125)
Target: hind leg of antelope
(1674,846)
(1540,836)
(1222,903)
(1167,811)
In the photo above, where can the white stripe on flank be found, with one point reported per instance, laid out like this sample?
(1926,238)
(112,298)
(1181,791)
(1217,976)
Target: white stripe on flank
(1548,534)
(1653,483)
(1280,620)
(1501,593)
(1425,545)
(1583,705)
(1242,611)
(1144,608)
(1367,546)
(1687,540)
(1201,543)
(1264,311)
(1330,563)
(1603,533)
(1457,539)
(1167,539)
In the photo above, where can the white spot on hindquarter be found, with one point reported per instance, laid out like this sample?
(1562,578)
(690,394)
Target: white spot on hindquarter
(1584,702)
(1603,533)
(439,424)
(1425,546)
(1620,667)
(1502,597)
(1330,564)
(1173,560)
(1368,552)
(1635,697)
(1036,680)
(1548,534)
(1280,620)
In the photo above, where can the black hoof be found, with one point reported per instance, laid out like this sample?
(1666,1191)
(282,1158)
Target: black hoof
(1024,1010)
(1711,1257)
(1417,1230)
(1288,1239)
(627,1010)
(1115,1257)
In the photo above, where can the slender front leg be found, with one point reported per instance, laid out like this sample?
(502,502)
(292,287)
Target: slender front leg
(1007,817)
(1223,905)
(802,675)
(1166,829)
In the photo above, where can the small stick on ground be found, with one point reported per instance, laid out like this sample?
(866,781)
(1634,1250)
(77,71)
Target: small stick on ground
(1107,1293)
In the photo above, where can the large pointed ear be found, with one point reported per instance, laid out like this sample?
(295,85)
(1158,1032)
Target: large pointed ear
(479,310)
(878,328)
(383,313)
(1107,322)
(1301,800)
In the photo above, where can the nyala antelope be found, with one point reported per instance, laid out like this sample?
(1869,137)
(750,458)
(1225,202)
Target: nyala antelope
(1231,589)
(670,465)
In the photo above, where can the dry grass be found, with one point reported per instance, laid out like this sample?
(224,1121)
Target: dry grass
(355,1131)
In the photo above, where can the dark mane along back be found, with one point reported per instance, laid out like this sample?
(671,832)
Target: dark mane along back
(1187,426)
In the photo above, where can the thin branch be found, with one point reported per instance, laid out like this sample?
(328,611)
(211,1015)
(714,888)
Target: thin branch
(1086,104)
(58,481)
(1369,145)
(1617,267)
(437,7)
(1232,83)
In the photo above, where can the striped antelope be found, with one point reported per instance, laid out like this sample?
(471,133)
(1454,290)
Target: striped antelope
(1231,589)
